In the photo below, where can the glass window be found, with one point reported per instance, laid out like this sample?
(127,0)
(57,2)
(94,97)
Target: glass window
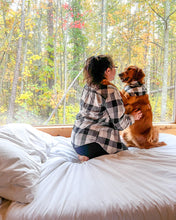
(43,46)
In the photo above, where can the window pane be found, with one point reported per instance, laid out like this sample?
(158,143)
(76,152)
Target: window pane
(44,45)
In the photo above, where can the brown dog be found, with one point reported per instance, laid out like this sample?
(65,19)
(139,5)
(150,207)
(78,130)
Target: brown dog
(142,133)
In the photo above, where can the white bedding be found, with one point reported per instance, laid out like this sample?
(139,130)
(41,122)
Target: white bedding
(131,185)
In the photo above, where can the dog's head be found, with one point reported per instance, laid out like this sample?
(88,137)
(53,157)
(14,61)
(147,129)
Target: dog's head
(132,73)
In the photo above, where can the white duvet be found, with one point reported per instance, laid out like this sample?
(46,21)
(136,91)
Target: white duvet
(131,185)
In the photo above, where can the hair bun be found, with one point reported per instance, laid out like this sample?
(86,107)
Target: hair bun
(94,60)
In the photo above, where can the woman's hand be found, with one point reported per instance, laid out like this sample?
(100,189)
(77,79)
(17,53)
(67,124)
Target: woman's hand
(137,114)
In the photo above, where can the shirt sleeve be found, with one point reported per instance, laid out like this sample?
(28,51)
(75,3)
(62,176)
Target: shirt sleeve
(116,110)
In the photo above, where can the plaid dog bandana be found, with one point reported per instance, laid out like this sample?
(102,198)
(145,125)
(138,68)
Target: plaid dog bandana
(135,89)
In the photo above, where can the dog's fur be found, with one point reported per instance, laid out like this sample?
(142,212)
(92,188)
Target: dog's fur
(142,133)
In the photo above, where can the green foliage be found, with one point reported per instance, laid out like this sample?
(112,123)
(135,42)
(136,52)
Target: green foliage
(71,112)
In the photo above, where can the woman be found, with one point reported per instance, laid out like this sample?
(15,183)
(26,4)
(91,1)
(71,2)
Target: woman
(102,113)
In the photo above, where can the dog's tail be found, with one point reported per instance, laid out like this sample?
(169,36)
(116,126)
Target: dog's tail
(153,137)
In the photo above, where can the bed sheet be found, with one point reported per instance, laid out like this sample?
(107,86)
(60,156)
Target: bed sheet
(137,184)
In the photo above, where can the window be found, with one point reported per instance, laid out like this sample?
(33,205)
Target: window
(44,45)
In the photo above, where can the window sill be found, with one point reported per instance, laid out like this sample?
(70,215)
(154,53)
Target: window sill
(56,130)
(65,130)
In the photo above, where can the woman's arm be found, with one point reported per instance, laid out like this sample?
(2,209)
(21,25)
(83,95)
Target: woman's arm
(116,110)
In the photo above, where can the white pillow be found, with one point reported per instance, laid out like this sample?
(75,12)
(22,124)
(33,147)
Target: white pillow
(22,150)
(19,173)
(29,138)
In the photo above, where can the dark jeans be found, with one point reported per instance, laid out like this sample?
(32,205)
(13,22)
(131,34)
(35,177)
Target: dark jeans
(90,150)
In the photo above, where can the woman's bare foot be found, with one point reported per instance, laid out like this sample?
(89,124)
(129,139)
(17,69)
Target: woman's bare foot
(83,158)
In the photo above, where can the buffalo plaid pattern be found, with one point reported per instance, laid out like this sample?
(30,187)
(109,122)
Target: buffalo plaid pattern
(135,89)
(101,116)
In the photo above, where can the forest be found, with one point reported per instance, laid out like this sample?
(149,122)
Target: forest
(44,44)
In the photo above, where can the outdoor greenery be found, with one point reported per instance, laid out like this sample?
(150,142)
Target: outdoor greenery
(44,43)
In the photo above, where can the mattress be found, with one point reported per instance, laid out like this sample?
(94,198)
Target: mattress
(137,184)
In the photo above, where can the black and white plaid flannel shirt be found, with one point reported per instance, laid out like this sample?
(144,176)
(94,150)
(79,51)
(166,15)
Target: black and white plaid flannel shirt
(135,89)
(101,116)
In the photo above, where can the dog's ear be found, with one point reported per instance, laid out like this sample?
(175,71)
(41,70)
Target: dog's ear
(139,75)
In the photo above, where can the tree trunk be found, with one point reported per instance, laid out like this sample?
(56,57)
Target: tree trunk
(5,54)
(61,35)
(174,110)
(24,62)
(130,30)
(55,58)
(50,61)
(172,73)
(148,70)
(25,46)
(166,64)
(65,69)
(50,43)
(39,35)
(103,26)
(17,67)
(65,73)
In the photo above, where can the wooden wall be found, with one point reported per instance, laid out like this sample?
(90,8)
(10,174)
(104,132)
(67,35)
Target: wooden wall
(167,128)
(65,130)
(57,130)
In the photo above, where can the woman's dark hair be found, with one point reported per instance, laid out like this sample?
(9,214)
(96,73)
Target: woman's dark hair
(95,67)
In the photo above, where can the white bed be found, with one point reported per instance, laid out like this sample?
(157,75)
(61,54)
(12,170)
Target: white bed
(131,185)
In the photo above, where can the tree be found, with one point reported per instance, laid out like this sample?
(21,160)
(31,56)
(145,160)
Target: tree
(165,18)
(165,69)
(17,66)
(103,26)
(50,42)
